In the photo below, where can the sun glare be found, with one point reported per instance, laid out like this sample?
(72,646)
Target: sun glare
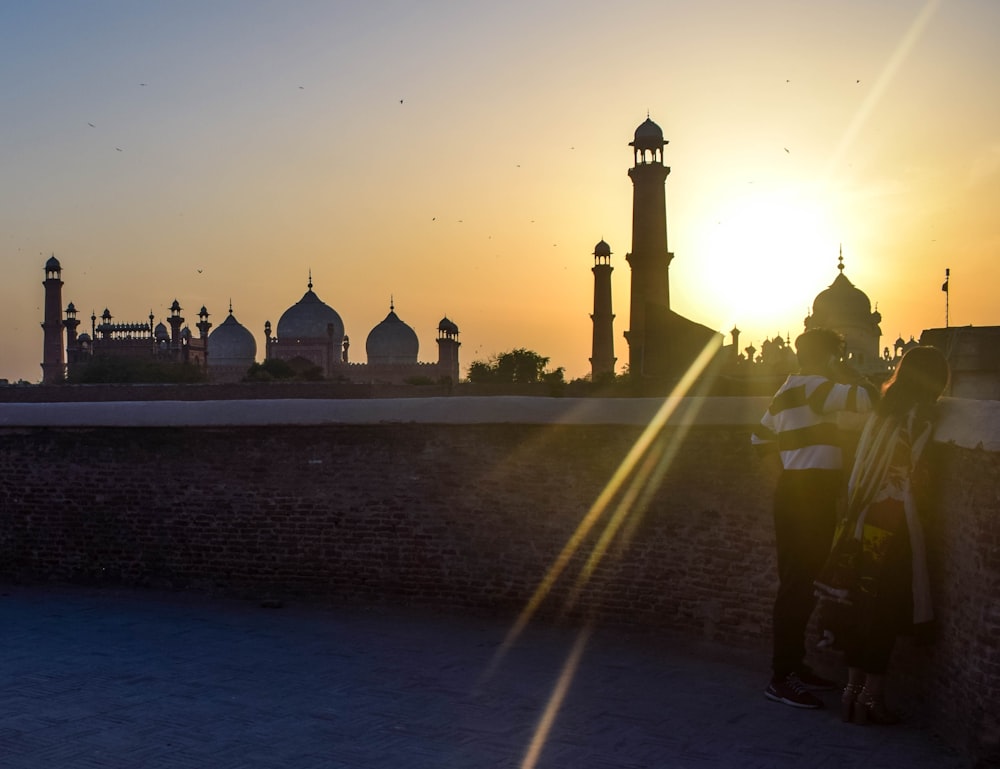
(764,252)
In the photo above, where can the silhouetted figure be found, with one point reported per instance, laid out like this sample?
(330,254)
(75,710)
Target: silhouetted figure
(876,577)
(801,423)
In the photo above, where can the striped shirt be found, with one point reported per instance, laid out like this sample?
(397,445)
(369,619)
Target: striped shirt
(802,421)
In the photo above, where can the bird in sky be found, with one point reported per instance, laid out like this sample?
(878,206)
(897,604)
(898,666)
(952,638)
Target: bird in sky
(119,149)
(91,125)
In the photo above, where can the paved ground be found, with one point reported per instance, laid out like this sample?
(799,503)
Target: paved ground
(92,678)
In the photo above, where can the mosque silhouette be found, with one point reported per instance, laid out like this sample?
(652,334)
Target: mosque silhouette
(311,336)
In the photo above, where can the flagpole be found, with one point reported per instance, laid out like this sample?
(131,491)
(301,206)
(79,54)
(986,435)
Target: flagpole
(947,294)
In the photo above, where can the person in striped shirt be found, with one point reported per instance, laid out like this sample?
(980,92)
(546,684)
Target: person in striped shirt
(801,423)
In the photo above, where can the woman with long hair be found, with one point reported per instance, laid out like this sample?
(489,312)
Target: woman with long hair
(878,566)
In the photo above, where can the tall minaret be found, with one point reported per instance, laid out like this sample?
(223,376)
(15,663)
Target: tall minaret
(602,361)
(53,349)
(649,258)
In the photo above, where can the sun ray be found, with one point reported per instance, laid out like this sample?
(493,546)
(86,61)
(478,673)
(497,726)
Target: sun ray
(555,701)
(637,490)
(645,481)
(633,460)
(899,54)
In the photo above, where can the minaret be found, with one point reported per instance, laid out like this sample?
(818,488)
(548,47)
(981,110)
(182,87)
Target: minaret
(602,361)
(203,323)
(53,349)
(448,345)
(72,340)
(176,321)
(649,259)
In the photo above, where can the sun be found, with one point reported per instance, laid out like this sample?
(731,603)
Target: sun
(764,256)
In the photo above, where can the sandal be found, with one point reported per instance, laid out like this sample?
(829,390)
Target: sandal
(871,709)
(849,701)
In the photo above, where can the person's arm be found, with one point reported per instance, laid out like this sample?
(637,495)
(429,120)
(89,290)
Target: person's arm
(843,373)
(831,397)
(764,440)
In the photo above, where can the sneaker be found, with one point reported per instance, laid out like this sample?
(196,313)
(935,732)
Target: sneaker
(814,682)
(791,691)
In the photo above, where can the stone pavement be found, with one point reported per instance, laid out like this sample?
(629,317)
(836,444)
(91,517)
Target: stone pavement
(119,678)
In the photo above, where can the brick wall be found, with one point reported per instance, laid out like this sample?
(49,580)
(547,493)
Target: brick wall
(476,517)
(458,517)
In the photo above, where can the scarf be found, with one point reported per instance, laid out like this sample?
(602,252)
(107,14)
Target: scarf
(869,476)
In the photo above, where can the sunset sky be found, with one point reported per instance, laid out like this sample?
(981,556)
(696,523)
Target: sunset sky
(464,158)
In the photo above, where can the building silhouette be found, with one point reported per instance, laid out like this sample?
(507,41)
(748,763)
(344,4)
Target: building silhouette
(846,309)
(53,351)
(602,359)
(973,354)
(662,344)
(310,336)
(66,350)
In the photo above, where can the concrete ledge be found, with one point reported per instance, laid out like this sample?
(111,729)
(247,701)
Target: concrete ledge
(966,423)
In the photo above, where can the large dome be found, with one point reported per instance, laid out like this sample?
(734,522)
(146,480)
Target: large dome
(392,342)
(310,318)
(842,300)
(231,344)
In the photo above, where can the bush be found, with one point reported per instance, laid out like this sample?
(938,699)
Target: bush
(105,370)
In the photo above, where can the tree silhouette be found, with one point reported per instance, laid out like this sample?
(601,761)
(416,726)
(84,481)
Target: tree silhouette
(518,366)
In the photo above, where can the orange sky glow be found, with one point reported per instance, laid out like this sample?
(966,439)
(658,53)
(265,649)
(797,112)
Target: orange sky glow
(465,160)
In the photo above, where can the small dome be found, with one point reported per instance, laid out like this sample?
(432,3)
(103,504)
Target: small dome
(53,264)
(160,332)
(310,318)
(231,344)
(648,136)
(392,342)
(602,249)
(447,326)
(70,307)
(84,337)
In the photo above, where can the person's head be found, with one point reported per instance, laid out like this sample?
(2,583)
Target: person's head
(921,375)
(818,349)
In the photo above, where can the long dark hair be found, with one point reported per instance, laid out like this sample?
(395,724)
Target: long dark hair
(921,375)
